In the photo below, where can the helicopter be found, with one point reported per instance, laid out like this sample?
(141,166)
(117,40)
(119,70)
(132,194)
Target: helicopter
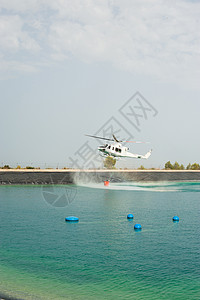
(116,149)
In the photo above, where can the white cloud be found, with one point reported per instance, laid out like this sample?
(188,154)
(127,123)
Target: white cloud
(13,37)
(159,38)
(22,6)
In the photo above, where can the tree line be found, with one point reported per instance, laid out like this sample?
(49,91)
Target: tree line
(109,163)
(176,166)
(18,167)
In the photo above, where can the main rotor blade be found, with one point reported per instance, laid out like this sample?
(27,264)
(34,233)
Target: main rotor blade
(98,137)
(116,140)
(136,142)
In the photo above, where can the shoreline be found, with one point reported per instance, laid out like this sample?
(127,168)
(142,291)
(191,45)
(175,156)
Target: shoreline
(6,297)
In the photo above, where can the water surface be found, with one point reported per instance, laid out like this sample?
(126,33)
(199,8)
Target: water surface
(101,257)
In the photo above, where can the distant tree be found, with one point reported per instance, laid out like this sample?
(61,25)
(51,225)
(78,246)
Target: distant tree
(109,162)
(18,167)
(182,167)
(195,166)
(6,167)
(168,165)
(189,166)
(176,166)
(29,167)
(141,168)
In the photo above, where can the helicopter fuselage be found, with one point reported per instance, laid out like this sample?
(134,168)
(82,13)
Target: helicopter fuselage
(117,150)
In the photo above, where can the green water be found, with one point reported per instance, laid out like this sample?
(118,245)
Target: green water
(101,257)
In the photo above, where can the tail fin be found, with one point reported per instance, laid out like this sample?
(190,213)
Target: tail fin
(147,154)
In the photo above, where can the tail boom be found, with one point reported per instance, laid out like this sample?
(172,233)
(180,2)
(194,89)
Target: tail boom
(146,156)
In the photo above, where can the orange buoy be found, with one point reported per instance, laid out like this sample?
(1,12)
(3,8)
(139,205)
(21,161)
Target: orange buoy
(106,182)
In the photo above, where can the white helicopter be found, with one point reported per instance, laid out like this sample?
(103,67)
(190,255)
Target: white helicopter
(116,149)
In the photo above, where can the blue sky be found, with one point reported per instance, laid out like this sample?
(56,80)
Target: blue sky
(66,68)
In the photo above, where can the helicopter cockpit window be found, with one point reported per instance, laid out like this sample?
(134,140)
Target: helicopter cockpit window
(113,148)
(116,149)
(120,150)
(109,147)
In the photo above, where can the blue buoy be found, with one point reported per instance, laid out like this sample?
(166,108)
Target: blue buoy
(137,227)
(71,219)
(175,219)
(129,216)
